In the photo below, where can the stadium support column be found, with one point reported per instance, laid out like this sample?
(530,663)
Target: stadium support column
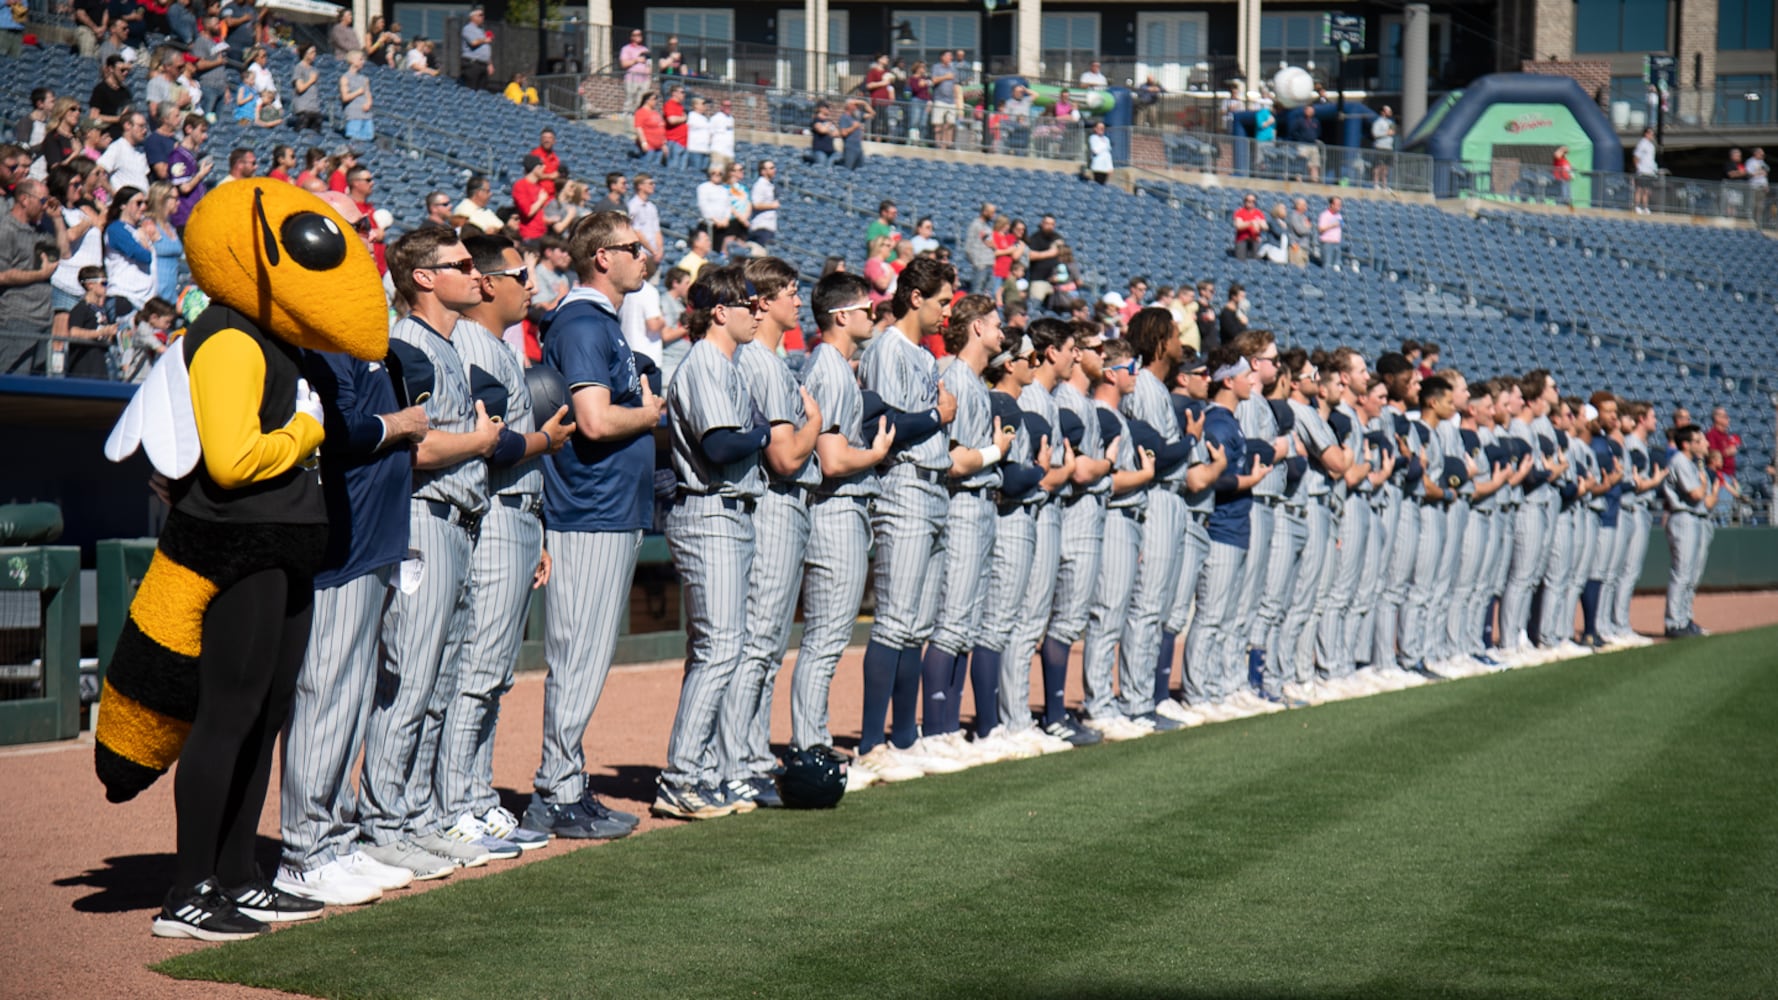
(599,56)
(1416,18)
(815,37)
(1247,43)
(1030,41)
(360,16)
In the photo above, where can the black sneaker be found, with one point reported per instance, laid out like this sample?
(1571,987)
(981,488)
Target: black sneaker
(1068,728)
(204,913)
(261,900)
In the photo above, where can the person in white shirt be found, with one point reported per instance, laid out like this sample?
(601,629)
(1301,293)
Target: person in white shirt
(1646,172)
(641,318)
(713,202)
(923,239)
(1099,145)
(124,160)
(645,218)
(1092,79)
(722,134)
(763,228)
(1383,139)
(697,134)
(1759,179)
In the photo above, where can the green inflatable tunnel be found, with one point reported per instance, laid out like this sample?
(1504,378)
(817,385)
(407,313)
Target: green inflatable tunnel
(1498,136)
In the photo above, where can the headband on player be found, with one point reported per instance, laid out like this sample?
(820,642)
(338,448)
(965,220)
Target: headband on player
(1235,370)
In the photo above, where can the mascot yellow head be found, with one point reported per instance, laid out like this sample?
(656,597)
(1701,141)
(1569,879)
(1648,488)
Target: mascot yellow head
(284,258)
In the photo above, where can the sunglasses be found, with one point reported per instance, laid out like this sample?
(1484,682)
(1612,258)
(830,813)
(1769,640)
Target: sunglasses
(364,224)
(637,249)
(1129,366)
(464,266)
(518,274)
(860,307)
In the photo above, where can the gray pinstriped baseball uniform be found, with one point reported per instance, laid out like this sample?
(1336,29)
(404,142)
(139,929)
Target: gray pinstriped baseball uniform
(1113,594)
(1500,547)
(1571,548)
(1688,537)
(1040,587)
(908,518)
(969,518)
(1385,510)
(1437,642)
(1334,654)
(1259,424)
(501,568)
(1470,530)
(1417,633)
(1400,516)
(396,788)
(710,533)
(1083,524)
(1162,549)
(1298,549)
(1633,523)
(780,538)
(1614,539)
(838,552)
(1194,681)
(1530,540)
(1008,576)
(1215,660)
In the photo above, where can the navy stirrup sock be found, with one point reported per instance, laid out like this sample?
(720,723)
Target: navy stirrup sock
(954,692)
(903,729)
(1589,606)
(1163,667)
(879,680)
(984,682)
(1055,680)
(935,690)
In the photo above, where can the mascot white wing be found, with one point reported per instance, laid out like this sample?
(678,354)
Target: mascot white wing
(160,419)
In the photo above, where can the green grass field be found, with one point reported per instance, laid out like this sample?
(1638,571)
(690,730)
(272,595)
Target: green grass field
(1601,828)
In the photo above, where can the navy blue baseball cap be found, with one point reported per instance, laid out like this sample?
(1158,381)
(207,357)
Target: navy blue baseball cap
(489,391)
(412,372)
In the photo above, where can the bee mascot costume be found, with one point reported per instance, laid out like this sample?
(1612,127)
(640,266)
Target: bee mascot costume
(207,661)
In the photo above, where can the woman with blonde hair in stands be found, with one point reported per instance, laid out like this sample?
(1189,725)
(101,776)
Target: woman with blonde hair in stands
(169,251)
(568,205)
(879,271)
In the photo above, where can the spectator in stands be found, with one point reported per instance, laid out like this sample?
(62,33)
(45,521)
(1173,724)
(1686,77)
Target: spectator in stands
(519,91)
(31,129)
(1383,140)
(1682,417)
(1724,443)
(92,321)
(237,24)
(1302,230)
(305,100)
(1647,172)
(641,319)
(15,166)
(124,160)
(92,22)
(920,101)
(1232,322)
(545,150)
(82,235)
(27,261)
(1265,124)
(1330,226)
(722,133)
(851,132)
(438,210)
(554,275)
(342,37)
(946,103)
(159,145)
(727,218)
(673,113)
(634,60)
(884,224)
(1045,248)
(421,59)
(762,230)
(1099,153)
(617,194)
(256,98)
(674,344)
(188,173)
(61,143)
(1250,228)
(645,218)
(283,163)
(95,138)
(1014,292)
(1305,131)
(163,81)
(1412,351)
(529,197)
(210,72)
(356,100)
(182,21)
(879,87)
(923,240)
(1093,79)
(476,51)
(1759,183)
(822,135)
(697,135)
(315,171)
(242,164)
(878,270)
(697,252)
(651,128)
(380,43)
(672,61)
(1562,172)
(473,209)
(129,257)
(111,95)
(1148,103)
(1429,354)
(567,208)
(169,250)
(978,249)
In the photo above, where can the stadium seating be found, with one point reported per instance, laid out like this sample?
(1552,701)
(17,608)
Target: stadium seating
(1682,315)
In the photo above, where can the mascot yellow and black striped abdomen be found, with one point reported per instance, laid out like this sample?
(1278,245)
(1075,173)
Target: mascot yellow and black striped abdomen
(226,418)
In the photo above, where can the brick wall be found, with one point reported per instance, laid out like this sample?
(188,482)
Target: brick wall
(1592,75)
(1697,36)
(1552,30)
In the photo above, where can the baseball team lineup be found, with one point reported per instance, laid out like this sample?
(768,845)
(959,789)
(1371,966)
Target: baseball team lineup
(1255,529)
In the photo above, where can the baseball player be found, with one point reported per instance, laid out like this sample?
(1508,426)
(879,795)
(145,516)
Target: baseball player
(1312,505)
(1691,494)
(1608,447)
(1191,401)
(1516,451)
(1584,508)
(1334,655)
(1462,466)
(908,518)
(436,275)
(1430,503)
(1532,527)
(1639,422)
(717,434)
(1216,642)
(1121,549)
(781,533)
(978,443)
(1463,620)
(1083,525)
(507,561)
(1370,555)
(1574,525)
(1260,425)
(838,550)
(1053,363)
(598,498)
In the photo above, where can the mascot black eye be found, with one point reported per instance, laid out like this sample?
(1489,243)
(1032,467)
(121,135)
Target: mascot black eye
(313,241)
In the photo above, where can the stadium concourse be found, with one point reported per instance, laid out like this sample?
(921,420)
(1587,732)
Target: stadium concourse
(1683,316)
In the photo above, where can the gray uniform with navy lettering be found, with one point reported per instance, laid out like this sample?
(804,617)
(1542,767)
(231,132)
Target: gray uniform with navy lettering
(501,568)
(1688,537)
(423,618)
(1045,511)
(1083,523)
(1469,571)
(1334,651)
(1298,552)
(1163,550)
(1633,523)
(1008,574)
(908,518)
(1198,506)
(1417,632)
(838,553)
(1258,424)
(780,538)
(1113,595)
(969,519)
(710,533)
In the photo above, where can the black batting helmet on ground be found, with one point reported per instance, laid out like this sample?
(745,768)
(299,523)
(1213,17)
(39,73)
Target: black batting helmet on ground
(813,779)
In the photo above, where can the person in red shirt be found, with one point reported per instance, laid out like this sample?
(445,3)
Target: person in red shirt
(552,164)
(359,182)
(673,112)
(529,197)
(1723,441)
(283,161)
(879,86)
(1250,228)
(347,156)
(651,128)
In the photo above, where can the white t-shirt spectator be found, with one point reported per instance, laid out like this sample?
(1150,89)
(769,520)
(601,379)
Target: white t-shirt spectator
(639,307)
(1092,80)
(697,132)
(127,165)
(1383,133)
(765,193)
(1100,147)
(713,203)
(1758,173)
(415,61)
(722,135)
(645,219)
(1645,157)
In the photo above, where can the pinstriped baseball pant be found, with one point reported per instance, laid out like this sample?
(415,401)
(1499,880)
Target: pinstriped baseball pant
(969,539)
(1214,664)
(1688,547)
(1033,617)
(1253,576)
(1333,651)
(396,788)
(1122,550)
(744,727)
(1592,539)
(1506,522)
(908,525)
(1293,644)
(1077,571)
(328,714)
(1362,623)
(1635,528)
(1191,567)
(1161,551)
(1531,535)
(1290,539)
(1005,604)
(1462,621)
(835,562)
(1402,520)
(1420,632)
(501,569)
(1439,607)
(1566,574)
(584,606)
(712,548)
(1607,564)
